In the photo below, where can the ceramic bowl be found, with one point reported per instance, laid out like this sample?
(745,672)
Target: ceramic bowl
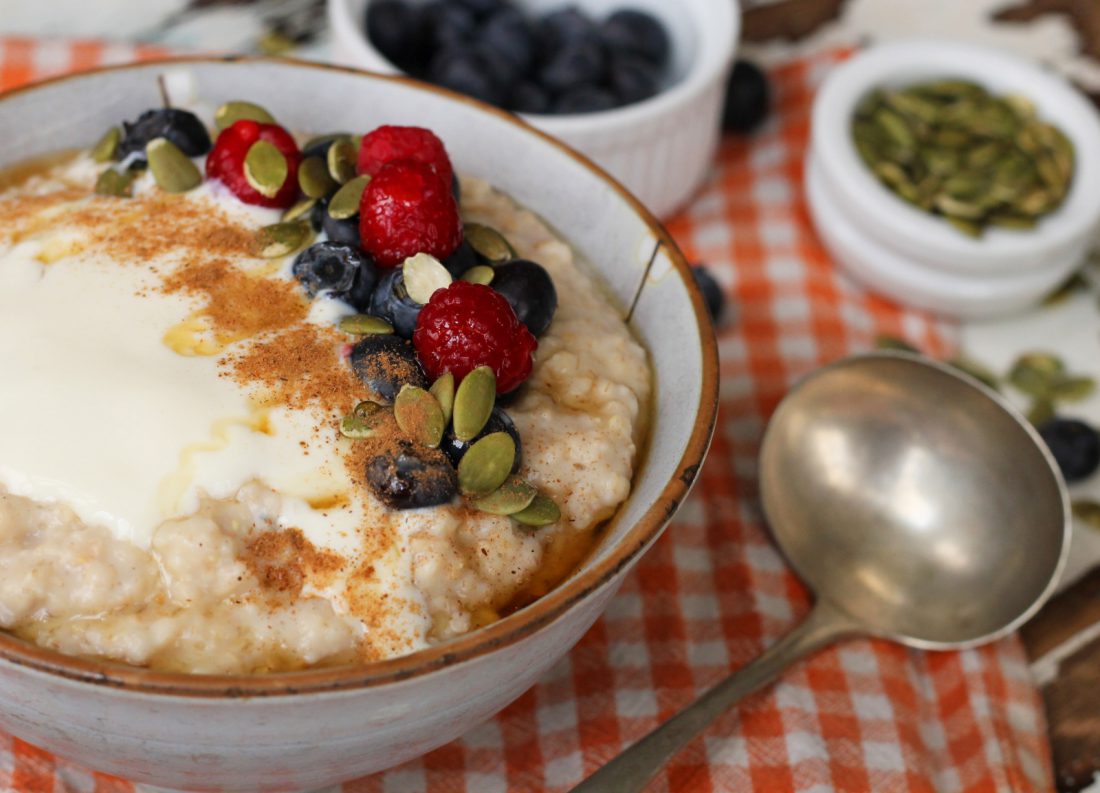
(308,729)
(662,149)
(999,263)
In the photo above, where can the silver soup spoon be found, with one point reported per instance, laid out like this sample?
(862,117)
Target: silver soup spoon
(916,503)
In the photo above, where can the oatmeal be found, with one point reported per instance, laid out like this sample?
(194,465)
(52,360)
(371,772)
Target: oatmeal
(197,474)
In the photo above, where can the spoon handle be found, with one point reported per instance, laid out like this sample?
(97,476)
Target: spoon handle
(634,767)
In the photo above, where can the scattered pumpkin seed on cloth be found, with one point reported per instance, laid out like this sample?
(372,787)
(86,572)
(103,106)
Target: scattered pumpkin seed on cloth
(954,150)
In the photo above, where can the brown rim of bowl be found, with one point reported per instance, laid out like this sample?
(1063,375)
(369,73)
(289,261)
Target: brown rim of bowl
(476,643)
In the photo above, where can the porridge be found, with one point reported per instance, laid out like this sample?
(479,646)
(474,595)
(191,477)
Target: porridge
(297,412)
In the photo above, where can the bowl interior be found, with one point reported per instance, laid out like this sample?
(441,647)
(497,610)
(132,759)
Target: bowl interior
(636,260)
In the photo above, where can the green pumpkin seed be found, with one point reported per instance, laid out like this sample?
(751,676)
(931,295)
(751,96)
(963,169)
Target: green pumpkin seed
(340,159)
(486,464)
(231,112)
(489,243)
(1041,411)
(344,203)
(300,210)
(443,389)
(479,274)
(1072,389)
(366,421)
(172,169)
(474,400)
(1035,373)
(1010,220)
(115,183)
(365,325)
(419,416)
(283,239)
(968,227)
(894,343)
(106,148)
(423,275)
(1088,512)
(265,168)
(541,512)
(513,496)
(896,128)
(314,178)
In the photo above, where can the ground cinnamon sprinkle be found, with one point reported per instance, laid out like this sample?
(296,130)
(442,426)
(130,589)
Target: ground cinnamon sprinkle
(282,561)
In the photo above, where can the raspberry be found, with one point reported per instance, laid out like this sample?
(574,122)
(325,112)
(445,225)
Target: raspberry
(226,162)
(408,209)
(468,325)
(388,144)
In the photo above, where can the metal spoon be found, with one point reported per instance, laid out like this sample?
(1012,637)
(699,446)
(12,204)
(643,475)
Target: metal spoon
(914,501)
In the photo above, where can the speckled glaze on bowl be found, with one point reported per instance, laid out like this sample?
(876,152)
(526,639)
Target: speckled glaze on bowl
(308,729)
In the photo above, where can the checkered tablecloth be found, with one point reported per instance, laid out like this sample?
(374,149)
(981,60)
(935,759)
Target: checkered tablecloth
(714,592)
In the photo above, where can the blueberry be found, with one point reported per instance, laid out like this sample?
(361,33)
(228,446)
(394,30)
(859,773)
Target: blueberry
(180,127)
(507,33)
(447,24)
(560,27)
(501,71)
(330,268)
(529,97)
(748,98)
(467,71)
(397,30)
(482,9)
(579,62)
(632,79)
(713,295)
(409,477)
(392,303)
(530,291)
(461,260)
(499,421)
(637,33)
(384,364)
(345,231)
(585,99)
(1075,446)
(318,213)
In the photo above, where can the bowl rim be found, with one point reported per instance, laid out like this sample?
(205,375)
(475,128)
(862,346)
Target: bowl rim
(718,30)
(502,633)
(922,236)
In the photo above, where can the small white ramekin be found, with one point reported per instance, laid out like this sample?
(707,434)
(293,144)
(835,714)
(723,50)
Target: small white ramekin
(661,149)
(919,259)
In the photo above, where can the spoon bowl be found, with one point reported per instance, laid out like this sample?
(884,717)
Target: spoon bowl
(917,504)
(911,498)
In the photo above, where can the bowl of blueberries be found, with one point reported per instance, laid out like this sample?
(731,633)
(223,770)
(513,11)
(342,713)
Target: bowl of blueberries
(637,85)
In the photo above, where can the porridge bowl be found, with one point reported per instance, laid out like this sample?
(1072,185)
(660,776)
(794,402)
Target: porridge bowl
(202,724)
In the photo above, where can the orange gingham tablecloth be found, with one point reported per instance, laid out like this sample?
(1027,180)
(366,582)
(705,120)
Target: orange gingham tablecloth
(714,592)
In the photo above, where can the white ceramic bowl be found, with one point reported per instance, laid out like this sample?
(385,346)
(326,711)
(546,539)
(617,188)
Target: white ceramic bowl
(309,729)
(894,242)
(662,149)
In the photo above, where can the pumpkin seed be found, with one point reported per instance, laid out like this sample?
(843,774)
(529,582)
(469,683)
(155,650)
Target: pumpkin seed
(1088,512)
(365,325)
(1035,373)
(172,169)
(283,239)
(115,183)
(1072,389)
(1010,220)
(231,112)
(314,178)
(365,421)
(542,511)
(513,496)
(419,416)
(265,168)
(323,142)
(344,203)
(474,400)
(443,389)
(300,210)
(340,159)
(423,275)
(486,464)
(968,227)
(106,148)
(1042,411)
(489,243)
(479,274)
(896,128)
